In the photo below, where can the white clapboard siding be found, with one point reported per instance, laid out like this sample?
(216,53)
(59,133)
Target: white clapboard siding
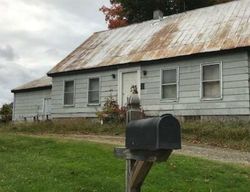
(29,104)
(235,99)
(235,93)
(108,86)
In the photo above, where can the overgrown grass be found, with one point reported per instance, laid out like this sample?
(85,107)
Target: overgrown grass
(36,164)
(234,134)
(76,126)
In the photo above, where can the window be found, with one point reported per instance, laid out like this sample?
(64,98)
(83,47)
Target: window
(69,92)
(169,84)
(211,81)
(94,92)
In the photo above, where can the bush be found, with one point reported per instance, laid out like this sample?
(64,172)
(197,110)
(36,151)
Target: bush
(111,112)
(6,113)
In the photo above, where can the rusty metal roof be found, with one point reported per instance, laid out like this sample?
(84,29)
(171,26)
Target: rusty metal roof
(220,27)
(44,82)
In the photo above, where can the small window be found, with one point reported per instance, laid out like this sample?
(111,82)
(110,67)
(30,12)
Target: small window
(211,81)
(169,84)
(94,92)
(69,93)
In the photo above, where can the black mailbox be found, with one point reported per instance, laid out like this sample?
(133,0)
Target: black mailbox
(154,134)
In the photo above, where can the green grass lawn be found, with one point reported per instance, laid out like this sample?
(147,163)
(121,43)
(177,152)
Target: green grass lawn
(36,164)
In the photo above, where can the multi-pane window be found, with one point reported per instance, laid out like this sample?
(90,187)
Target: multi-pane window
(94,91)
(169,84)
(211,81)
(69,89)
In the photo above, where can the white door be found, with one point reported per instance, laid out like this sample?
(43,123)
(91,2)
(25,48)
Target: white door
(47,107)
(128,80)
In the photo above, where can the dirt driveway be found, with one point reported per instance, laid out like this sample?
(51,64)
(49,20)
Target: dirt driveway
(207,152)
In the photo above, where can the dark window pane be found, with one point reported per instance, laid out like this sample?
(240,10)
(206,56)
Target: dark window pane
(211,89)
(94,90)
(69,93)
(211,72)
(94,97)
(69,87)
(68,98)
(169,76)
(94,84)
(169,92)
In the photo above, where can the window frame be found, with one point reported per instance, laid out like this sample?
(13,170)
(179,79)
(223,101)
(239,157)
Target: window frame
(74,90)
(202,98)
(177,84)
(94,104)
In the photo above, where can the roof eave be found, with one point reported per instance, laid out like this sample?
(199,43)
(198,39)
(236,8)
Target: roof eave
(115,66)
(31,89)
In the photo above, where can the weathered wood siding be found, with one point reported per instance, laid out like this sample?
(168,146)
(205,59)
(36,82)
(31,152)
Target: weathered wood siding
(29,104)
(235,99)
(108,86)
(235,92)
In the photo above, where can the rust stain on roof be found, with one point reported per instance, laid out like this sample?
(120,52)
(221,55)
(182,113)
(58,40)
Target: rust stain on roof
(38,83)
(221,27)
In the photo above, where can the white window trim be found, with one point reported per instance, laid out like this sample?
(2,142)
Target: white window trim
(127,70)
(220,79)
(177,84)
(94,104)
(72,105)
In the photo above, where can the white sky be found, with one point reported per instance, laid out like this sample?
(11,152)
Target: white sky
(36,34)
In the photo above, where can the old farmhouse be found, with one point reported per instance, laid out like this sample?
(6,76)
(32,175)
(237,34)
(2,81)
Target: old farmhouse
(193,64)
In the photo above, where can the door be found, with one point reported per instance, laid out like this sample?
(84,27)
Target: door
(47,107)
(128,80)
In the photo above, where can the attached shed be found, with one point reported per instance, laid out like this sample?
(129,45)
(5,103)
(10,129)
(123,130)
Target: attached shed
(32,101)
(190,64)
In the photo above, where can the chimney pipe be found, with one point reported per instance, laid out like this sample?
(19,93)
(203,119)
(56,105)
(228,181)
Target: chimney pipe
(158,14)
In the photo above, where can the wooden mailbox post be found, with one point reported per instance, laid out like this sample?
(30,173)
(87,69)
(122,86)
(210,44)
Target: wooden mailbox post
(138,165)
(147,141)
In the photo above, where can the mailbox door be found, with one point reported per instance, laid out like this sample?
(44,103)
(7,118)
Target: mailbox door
(169,133)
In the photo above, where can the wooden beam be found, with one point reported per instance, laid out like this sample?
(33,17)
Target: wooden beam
(142,155)
(138,174)
(138,165)
(129,165)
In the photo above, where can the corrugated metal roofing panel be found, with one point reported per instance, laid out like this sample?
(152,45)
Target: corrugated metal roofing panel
(38,83)
(221,27)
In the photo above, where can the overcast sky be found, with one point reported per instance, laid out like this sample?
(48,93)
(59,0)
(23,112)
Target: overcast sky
(36,34)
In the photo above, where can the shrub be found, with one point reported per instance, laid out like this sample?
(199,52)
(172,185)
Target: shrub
(6,113)
(111,112)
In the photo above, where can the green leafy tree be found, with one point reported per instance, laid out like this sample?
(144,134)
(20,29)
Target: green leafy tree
(125,12)
(6,113)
